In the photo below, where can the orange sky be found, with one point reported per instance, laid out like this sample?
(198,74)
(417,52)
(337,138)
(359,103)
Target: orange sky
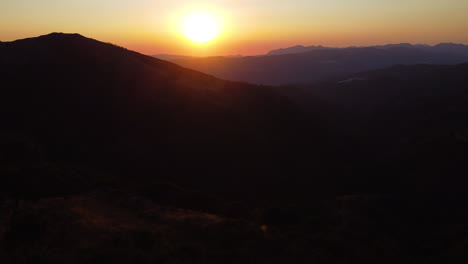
(248,26)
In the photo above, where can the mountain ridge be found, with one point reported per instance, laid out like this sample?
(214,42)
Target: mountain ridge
(303,49)
(321,64)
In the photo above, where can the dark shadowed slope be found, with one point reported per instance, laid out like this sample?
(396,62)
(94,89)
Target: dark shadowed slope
(311,64)
(412,118)
(97,104)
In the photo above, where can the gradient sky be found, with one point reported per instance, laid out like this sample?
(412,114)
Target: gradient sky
(250,26)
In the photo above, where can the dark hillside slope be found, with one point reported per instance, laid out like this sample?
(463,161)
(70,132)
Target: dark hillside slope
(411,119)
(97,104)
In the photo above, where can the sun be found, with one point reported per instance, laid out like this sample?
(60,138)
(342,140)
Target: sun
(201,27)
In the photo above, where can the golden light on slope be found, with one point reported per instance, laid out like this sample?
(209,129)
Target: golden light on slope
(201,27)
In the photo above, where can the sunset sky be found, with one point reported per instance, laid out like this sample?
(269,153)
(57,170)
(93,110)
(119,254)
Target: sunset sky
(246,26)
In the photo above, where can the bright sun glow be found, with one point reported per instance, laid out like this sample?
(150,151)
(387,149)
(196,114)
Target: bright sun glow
(201,27)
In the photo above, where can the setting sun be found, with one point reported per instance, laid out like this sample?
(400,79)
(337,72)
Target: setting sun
(201,27)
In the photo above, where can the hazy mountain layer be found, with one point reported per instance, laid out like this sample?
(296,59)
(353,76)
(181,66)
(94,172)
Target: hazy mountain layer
(311,64)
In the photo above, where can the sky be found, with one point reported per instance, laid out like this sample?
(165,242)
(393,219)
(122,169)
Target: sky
(248,27)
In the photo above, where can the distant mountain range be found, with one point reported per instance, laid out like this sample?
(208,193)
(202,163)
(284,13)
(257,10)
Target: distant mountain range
(301,65)
(442,47)
(295,49)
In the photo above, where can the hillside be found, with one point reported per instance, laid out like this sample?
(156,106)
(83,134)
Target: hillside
(411,118)
(95,104)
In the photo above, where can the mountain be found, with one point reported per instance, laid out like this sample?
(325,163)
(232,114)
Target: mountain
(301,65)
(101,106)
(413,117)
(440,47)
(452,48)
(107,155)
(402,45)
(295,49)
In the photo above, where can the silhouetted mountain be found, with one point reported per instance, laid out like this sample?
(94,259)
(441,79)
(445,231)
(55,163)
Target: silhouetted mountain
(310,64)
(401,45)
(116,110)
(441,47)
(452,48)
(295,49)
